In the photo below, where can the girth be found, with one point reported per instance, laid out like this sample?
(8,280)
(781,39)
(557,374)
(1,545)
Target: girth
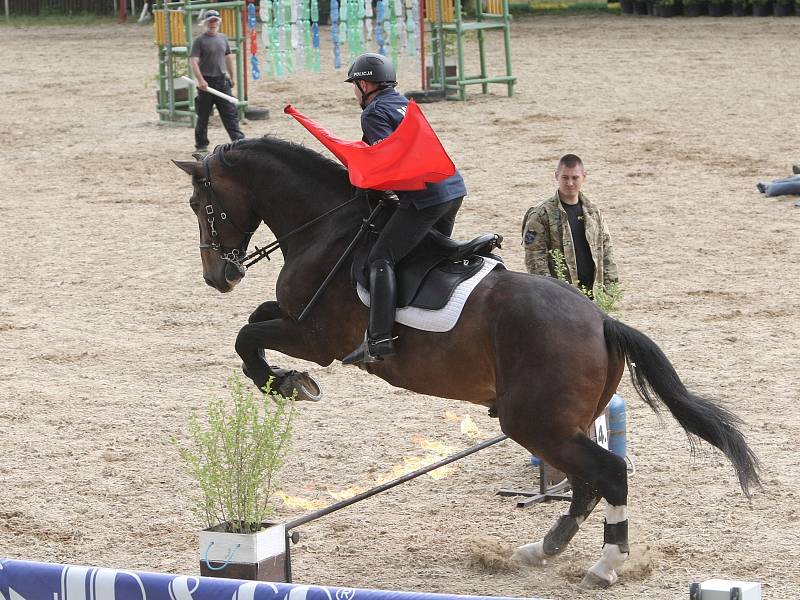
(429,275)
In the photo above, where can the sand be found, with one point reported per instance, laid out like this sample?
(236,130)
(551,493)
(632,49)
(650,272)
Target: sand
(110,337)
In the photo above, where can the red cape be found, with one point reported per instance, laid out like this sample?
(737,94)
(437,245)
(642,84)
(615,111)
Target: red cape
(406,160)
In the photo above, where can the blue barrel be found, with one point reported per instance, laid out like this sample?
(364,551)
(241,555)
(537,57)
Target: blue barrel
(617,441)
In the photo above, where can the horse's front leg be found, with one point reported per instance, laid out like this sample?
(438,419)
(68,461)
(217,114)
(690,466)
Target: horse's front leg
(269,327)
(266,312)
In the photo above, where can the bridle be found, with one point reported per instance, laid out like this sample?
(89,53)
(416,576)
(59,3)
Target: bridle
(214,207)
(237,256)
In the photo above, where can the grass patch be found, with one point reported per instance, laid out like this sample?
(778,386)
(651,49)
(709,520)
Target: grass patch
(539,7)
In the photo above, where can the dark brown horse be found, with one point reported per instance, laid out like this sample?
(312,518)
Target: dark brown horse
(542,356)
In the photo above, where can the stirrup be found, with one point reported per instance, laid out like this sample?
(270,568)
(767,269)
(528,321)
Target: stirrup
(370,352)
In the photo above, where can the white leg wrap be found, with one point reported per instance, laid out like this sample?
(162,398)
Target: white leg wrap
(530,554)
(611,560)
(616,514)
(604,572)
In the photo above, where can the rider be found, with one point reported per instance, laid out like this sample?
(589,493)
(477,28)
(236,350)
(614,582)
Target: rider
(435,207)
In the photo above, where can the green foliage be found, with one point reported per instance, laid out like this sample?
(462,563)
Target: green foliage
(607,299)
(547,7)
(235,456)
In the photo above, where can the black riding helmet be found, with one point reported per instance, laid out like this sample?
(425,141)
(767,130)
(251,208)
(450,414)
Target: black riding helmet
(372,67)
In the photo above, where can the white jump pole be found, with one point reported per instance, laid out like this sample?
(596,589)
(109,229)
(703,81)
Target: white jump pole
(211,90)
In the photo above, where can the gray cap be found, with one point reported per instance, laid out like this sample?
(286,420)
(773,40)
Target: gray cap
(211,14)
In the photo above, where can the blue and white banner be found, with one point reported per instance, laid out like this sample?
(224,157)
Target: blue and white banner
(25,580)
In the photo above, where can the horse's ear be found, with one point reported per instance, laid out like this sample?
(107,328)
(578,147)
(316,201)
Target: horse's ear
(191,167)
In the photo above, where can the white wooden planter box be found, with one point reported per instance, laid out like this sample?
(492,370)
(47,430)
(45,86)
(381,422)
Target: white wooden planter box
(258,556)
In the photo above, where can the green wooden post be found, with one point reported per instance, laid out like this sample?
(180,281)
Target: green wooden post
(188,39)
(507,42)
(479,17)
(162,79)
(460,76)
(239,50)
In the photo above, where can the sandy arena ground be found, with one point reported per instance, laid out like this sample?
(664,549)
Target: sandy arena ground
(109,336)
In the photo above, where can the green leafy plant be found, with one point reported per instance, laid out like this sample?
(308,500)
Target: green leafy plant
(236,455)
(607,298)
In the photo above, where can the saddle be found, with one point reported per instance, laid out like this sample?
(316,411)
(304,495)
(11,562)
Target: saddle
(429,275)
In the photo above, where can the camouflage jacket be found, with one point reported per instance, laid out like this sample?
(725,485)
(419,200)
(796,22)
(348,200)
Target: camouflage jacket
(546,228)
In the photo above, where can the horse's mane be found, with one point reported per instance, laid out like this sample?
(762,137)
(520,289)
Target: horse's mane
(309,161)
(273,145)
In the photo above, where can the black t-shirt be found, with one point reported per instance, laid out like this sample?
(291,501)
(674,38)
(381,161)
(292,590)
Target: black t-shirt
(211,50)
(583,254)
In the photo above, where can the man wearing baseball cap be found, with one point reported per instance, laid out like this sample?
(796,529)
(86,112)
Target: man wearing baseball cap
(212,65)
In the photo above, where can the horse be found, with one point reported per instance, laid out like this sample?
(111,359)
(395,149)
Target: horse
(542,357)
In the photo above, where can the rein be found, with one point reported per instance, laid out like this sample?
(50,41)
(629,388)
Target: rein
(238,257)
(259,253)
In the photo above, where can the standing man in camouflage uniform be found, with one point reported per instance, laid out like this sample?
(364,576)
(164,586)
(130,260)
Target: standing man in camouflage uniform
(570,223)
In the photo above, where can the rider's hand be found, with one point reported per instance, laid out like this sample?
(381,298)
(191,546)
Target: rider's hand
(202,85)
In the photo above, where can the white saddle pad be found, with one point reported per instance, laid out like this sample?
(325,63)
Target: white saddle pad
(445,318)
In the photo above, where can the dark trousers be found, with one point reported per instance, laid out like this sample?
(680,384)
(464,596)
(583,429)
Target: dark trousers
(407,227)
(227,112)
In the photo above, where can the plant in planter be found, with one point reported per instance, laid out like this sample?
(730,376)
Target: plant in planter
(694,8)
(784,8)
(762,8)
(234,459)
(719,8)
(740,8)
(668,8)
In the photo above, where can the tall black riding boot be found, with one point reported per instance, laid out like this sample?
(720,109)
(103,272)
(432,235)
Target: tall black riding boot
(378,342)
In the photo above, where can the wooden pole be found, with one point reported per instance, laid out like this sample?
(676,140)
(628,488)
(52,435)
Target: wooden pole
(211,90)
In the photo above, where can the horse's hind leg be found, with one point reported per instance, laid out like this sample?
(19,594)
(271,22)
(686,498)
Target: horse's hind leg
(584,499)
(607,473)
(603,475)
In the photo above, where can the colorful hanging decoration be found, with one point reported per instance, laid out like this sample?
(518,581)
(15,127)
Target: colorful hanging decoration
(251,25)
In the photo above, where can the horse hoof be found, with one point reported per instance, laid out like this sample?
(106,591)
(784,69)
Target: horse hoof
(307,388)
(594,581)
(531,555)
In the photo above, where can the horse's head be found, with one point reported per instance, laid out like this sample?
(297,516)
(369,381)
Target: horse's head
(285,185)
(222,204)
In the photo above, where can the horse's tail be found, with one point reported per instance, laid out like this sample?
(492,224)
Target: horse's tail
(655,379)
